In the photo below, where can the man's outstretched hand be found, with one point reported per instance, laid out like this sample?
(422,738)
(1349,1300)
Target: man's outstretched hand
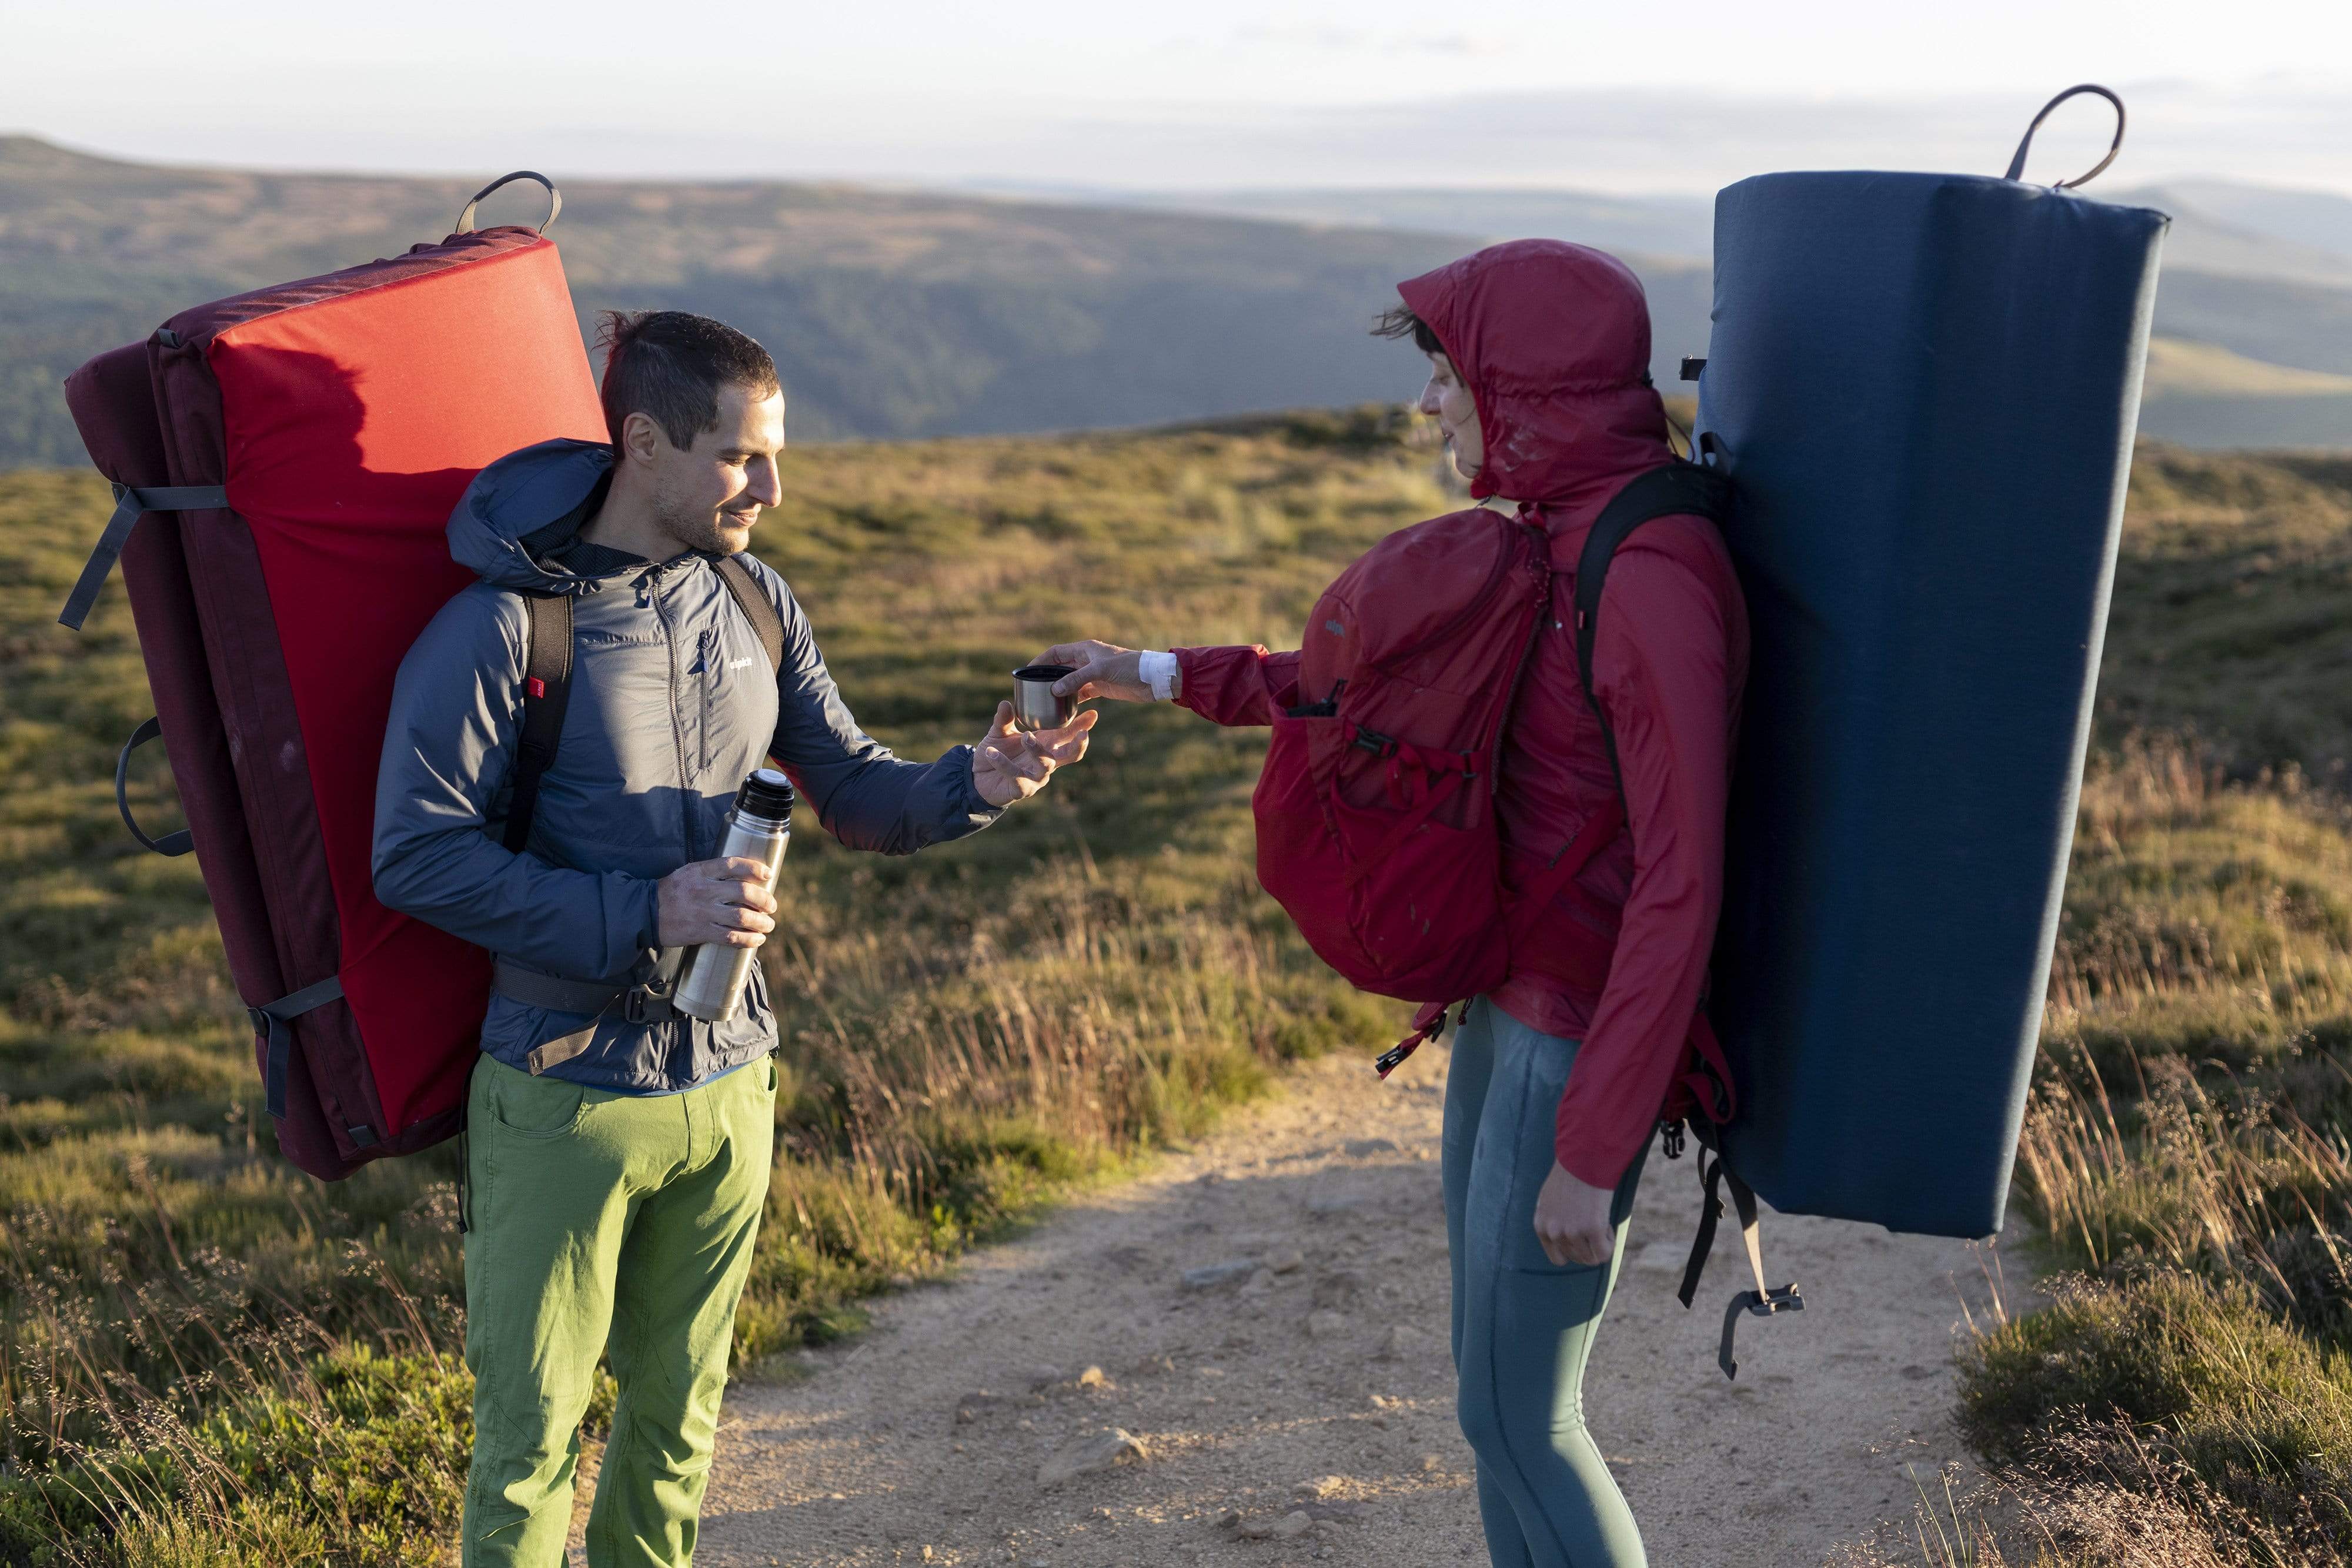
(1103,670)
(1008,765)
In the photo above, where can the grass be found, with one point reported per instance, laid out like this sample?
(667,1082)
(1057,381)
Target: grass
(964,1034)
(2187,1395)
(185,1323)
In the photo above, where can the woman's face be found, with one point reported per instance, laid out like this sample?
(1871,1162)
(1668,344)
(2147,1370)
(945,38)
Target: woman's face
(1448,401)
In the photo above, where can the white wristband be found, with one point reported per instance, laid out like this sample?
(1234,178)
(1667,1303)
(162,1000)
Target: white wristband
(1157,670)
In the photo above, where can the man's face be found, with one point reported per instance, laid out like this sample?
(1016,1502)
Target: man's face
(707,496)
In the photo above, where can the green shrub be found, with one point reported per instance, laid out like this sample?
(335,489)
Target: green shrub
(2198,1371)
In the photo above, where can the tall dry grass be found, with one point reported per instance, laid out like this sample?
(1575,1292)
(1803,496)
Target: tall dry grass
(2187,1395)
(205,1356)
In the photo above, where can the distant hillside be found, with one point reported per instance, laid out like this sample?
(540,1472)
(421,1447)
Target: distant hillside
(2258,276)
(2320,220)
(2201,395)
(895,314)
(891,314)
(1666,225)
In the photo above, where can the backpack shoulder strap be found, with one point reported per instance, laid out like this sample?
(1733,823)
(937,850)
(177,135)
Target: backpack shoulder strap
(546,690)
(742,582)
(1674,490)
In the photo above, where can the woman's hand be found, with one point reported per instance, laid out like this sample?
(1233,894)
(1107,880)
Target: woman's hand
(1103,670)
(1008,765)
(1572,1220)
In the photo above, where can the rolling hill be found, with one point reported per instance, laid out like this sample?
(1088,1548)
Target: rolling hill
(895,314)
(891,314)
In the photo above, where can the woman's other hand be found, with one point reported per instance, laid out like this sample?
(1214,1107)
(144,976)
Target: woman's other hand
(1103,670)
(1572,1220)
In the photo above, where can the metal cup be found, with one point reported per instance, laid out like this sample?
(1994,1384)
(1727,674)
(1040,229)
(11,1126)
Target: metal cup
(1035,705)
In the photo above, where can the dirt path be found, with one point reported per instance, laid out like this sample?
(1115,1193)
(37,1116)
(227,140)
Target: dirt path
(1316,1383)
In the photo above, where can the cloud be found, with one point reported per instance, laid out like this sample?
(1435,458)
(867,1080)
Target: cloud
(1336,40)
(2282,130)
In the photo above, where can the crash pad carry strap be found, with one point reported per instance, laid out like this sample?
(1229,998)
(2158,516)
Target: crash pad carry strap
(752,601)
(1674,490)
(1763,1302)
(130,506)
(638,1001)
(546,694)
(272,1022)
(547,680)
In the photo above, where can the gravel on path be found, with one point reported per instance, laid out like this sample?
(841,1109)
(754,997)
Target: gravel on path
(1240,1357)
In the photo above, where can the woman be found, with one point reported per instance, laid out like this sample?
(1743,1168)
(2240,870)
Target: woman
(1539,353)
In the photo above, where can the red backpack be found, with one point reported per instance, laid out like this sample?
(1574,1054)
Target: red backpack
(1376,825)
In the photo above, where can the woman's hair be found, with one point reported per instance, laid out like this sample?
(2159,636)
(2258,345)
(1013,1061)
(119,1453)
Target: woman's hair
(1399,322)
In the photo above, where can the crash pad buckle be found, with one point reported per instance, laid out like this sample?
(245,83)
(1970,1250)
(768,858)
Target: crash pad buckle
(1763,1304)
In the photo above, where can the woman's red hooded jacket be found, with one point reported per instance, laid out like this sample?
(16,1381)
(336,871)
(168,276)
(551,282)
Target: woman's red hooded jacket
(1553,342)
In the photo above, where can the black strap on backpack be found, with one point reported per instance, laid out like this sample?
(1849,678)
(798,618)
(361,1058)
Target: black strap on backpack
(547,680)
(130,505)
(1679,489)
(1764,1301)
(546,692)
(735,571)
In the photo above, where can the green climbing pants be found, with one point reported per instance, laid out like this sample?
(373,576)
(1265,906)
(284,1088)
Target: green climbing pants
(1523,1326)
(601,1221)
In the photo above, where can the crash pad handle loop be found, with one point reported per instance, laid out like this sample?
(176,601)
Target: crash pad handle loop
(555,199)
(174,843)
(2017,164)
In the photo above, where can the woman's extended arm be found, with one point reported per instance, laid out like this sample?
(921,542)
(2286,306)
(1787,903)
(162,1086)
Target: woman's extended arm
(1239,685)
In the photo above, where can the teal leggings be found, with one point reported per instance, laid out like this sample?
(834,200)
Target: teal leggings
(1523,1326)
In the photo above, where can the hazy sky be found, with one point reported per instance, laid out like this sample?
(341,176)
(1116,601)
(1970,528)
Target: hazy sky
(1207,93)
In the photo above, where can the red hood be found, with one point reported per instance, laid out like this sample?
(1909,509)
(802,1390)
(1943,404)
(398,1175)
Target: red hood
(1553,341)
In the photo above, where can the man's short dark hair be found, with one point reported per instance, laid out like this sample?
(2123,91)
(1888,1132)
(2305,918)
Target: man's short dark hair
(1399,322)
(668,365)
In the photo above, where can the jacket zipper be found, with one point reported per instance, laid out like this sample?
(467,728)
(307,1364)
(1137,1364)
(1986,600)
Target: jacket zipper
(711,652)
(653,585)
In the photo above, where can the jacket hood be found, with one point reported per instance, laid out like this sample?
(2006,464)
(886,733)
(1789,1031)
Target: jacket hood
(1553,342)
(524,508)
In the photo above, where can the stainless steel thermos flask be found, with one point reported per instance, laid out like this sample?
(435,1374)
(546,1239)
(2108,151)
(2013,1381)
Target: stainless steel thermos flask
(758,829)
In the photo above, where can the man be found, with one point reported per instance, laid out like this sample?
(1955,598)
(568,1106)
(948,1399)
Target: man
(618,1152)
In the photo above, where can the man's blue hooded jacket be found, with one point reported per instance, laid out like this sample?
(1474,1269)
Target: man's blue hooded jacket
(672,703)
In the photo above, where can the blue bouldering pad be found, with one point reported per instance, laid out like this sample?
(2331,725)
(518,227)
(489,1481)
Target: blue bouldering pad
(1925,389)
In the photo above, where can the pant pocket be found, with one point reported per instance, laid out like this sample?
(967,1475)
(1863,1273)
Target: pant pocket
(523,1107)
(1542,1073)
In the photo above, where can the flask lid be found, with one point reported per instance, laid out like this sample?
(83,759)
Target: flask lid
(766,793)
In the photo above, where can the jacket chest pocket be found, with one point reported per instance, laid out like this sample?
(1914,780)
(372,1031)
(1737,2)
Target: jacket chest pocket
(728,672)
